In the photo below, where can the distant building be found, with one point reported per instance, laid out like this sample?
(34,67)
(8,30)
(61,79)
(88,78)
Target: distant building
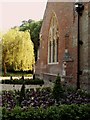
(58,51)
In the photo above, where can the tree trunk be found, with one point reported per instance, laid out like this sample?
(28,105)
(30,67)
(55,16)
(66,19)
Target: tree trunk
(5,70)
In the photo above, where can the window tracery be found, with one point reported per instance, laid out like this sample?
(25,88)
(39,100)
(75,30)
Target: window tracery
(53,41)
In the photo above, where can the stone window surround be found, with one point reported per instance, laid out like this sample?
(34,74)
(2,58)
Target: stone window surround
(53,41)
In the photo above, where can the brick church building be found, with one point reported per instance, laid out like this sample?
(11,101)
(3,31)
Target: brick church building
(65,44)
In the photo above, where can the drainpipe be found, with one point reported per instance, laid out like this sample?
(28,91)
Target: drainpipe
(78,55)
(79,8)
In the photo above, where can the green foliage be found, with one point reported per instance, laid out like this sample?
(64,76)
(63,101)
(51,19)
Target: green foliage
(48,89)
(0,53)
(26,81)
(62,112)
(18,52)
(34,28)
(0,112)
(58,91)
(22,93)
(14,73)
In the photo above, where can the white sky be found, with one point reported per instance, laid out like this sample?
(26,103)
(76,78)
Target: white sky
(13,12)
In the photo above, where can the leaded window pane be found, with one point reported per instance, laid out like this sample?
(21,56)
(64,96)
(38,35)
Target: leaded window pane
(53,41)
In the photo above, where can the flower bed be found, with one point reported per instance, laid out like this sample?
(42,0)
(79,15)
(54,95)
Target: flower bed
(40,98)
(45,104)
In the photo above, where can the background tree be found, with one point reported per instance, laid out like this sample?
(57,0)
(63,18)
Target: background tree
(34,29)
(0,53)
(18,52)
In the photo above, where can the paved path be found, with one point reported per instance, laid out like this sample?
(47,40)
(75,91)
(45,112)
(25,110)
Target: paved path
(18,87)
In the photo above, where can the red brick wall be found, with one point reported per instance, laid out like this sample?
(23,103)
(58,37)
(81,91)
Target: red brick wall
(67,24)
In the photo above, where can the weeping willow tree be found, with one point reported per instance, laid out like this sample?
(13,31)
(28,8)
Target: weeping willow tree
(0,53)
(18,51)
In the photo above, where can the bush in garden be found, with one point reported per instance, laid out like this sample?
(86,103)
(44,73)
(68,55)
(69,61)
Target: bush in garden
(11,78)
(22,93)
(0,112)
(27,81)
(58,91)
(62,112)
(22,77)
(48,89)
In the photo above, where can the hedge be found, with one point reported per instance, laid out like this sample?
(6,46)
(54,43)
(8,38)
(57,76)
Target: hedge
(62,112)
(26,81)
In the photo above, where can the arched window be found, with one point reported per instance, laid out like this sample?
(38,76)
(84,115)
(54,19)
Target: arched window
(53,41)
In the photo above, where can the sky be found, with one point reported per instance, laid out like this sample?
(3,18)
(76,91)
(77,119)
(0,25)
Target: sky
(13,12)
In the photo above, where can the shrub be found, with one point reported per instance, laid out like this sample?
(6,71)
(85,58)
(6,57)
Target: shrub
(26,81)
(22,93)
(58,91)
(62,112)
